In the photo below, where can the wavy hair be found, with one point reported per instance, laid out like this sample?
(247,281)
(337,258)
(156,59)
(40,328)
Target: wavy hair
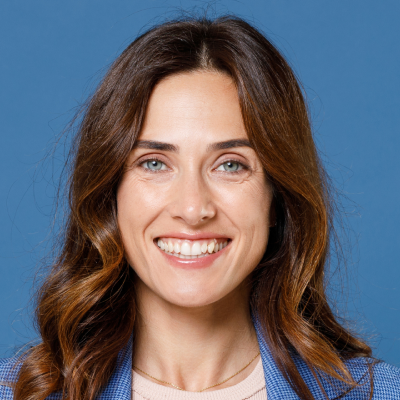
(86,307)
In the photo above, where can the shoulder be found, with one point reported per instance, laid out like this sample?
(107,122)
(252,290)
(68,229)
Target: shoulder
(384,378)
(367,372)
(9,368)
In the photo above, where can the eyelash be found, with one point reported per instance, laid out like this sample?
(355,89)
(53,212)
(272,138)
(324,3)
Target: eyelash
(244,167)
(150,159)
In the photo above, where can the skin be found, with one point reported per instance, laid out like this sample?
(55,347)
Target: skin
(194,326)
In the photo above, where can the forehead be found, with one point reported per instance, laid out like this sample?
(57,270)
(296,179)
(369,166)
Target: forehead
(195,105)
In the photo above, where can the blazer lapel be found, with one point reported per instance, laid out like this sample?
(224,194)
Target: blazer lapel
(277,386)
(119,386)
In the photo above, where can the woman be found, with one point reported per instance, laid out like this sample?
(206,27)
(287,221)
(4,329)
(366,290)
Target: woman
(194,251)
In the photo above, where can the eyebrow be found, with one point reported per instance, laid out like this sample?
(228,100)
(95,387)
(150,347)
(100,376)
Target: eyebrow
(229,144)
(155,145)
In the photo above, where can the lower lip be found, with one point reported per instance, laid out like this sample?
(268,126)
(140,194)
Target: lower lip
(194,263)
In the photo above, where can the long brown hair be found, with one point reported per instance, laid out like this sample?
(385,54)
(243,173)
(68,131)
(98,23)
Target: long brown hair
(86,307)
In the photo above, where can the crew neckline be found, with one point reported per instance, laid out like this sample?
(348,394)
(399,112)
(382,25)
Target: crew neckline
(252,384)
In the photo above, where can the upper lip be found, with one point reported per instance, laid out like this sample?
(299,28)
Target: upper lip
(192,236)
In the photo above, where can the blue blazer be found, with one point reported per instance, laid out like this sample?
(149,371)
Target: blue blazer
(386,379)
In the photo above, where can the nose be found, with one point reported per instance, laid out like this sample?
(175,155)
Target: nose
(192,199)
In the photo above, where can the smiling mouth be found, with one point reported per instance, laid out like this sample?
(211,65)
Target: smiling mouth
(191,249)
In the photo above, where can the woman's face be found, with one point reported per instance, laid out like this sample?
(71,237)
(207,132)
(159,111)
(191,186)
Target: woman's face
(194,202)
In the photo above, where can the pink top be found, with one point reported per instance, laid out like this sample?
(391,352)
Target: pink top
(253,387)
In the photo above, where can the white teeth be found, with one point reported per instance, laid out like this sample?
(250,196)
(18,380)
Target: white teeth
(185,249)
(190,249)
(196,249)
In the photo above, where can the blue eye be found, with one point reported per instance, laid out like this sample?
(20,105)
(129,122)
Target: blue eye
(154,165)
(230,166)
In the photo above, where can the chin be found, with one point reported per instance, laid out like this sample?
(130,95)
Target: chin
(192,297)
(201,294)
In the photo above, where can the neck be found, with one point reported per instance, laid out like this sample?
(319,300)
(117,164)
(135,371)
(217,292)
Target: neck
(195,347)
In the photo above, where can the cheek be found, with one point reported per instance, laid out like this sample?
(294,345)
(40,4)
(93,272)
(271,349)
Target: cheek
(138,205)
(247,208)
(247,204)
(137,200)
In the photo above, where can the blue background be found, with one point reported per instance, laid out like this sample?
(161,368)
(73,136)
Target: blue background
(347,55)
